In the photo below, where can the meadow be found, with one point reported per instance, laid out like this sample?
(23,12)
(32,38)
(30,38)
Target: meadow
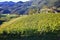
(32,27)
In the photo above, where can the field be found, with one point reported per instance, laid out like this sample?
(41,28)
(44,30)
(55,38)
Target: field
(32,27)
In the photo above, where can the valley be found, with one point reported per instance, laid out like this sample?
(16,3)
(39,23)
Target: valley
(30,20)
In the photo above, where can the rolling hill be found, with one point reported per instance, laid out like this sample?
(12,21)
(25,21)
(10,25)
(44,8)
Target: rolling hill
(41,22)
(38,26)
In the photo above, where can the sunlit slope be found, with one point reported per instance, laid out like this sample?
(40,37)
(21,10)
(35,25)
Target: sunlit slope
(37,22)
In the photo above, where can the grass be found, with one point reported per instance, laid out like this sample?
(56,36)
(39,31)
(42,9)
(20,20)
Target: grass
(45,26)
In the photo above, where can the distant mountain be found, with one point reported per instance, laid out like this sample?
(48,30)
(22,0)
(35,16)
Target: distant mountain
(57,3)
(24,7)
(40,3)
(12,7)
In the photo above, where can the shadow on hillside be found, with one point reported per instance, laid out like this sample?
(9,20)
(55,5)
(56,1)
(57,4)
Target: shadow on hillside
(44,36)
(1,21)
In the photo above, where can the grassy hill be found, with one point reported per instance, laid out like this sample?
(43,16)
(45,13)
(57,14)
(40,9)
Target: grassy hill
(45,26)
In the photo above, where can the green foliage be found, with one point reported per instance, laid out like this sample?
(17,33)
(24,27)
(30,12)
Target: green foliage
(40,26)
(7,16)
(41,22)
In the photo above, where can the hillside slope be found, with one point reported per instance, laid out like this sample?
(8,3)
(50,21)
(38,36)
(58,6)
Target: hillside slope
(40,22)
(32,27)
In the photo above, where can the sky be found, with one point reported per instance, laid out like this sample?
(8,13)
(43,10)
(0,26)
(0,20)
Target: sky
(13,0)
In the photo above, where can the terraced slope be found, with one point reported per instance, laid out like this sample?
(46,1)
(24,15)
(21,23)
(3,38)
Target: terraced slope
(32,24)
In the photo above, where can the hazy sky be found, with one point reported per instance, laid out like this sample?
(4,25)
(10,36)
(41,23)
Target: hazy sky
(13,0)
